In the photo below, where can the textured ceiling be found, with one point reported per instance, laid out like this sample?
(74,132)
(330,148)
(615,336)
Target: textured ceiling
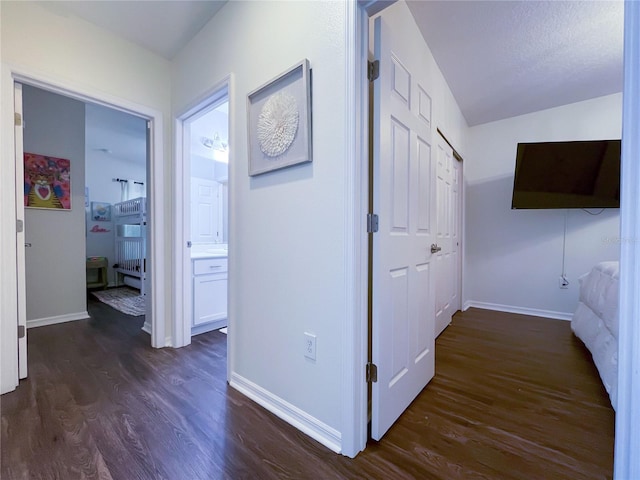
(500,58)
(508,58)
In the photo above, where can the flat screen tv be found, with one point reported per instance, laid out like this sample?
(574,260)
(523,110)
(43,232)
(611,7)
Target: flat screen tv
(584,174)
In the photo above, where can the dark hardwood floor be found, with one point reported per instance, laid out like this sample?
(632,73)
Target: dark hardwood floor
(514,397)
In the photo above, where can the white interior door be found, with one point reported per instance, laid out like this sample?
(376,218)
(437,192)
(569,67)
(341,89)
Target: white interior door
(456,300)
(403,197)
(447,265)
(205,209)
(20,245)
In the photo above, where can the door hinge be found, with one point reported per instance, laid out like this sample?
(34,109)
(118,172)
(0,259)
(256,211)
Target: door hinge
(189,243)
(17,119)
(372,373)
(373,70)
(19,225)
(372,223)
(21,331)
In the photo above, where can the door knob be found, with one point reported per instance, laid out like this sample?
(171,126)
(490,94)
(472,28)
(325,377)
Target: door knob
(435,248)
(27,244)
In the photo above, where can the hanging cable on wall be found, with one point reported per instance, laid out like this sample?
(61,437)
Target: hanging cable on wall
(564,283)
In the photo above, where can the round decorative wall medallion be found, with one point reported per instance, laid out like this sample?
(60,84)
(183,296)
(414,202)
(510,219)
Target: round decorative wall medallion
(277,124)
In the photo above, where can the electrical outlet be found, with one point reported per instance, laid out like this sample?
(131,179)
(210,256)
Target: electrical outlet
(310,345)
(563,282)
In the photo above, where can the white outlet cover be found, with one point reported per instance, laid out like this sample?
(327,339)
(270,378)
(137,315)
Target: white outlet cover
(309,345)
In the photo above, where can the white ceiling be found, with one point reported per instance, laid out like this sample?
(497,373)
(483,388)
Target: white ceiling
(115,134)
(507,58)
(164,27)
(500,58)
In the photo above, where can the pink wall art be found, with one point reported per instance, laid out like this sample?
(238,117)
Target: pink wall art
(47,182)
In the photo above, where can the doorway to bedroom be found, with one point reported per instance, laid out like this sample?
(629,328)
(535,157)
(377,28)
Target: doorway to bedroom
(115,208)
(81,160)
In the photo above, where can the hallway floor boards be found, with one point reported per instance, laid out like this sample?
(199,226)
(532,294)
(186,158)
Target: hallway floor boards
(514,397)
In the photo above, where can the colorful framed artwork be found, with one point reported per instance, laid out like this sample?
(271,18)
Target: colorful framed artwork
(100,212)
(47,182)
(279,121)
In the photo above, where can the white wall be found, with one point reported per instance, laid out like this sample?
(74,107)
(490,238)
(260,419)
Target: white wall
(514,257)
(103,168)
(287,227)
(67,50)
(55,262)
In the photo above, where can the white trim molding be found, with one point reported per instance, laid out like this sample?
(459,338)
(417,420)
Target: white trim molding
(319,431)
(146,328)
(8,235)
(535,312)
(354,331)
(627,441)
(69,317)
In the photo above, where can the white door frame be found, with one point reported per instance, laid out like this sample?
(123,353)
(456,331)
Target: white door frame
(12,74)
(20,236)
(183,286)
(626,462)
(354,417)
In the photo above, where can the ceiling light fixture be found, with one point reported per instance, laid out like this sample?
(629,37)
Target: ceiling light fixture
(215,143)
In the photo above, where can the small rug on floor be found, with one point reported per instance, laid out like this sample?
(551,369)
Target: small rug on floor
(126,300)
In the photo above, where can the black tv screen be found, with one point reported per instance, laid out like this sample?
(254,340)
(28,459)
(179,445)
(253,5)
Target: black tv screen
(584,174)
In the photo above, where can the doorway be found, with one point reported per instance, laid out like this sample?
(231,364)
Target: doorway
(115,203)
(81,161)
(202,193)
(155,308)
(415,183)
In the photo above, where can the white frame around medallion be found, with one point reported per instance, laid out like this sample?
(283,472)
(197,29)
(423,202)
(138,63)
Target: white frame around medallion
(10,76)
(183,298)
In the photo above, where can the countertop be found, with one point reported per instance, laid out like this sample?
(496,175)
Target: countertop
(199,255)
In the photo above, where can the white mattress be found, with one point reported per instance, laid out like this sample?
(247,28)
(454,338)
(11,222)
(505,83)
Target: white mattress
(595,321)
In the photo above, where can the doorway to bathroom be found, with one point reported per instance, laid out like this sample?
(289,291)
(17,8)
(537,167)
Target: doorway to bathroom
(202,179)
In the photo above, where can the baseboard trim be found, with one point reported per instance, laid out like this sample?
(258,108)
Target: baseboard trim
(520,310)
(319,431)
(68,317)
(146,328)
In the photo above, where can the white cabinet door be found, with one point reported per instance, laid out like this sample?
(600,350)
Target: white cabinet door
(209,298)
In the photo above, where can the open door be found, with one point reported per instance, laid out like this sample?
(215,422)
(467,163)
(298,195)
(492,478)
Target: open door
(20,239)
(403,197)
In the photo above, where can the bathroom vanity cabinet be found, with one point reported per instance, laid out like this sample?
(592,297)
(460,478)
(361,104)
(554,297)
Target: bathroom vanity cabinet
(209,294)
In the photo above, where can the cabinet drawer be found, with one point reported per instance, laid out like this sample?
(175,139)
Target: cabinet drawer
(209,265)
